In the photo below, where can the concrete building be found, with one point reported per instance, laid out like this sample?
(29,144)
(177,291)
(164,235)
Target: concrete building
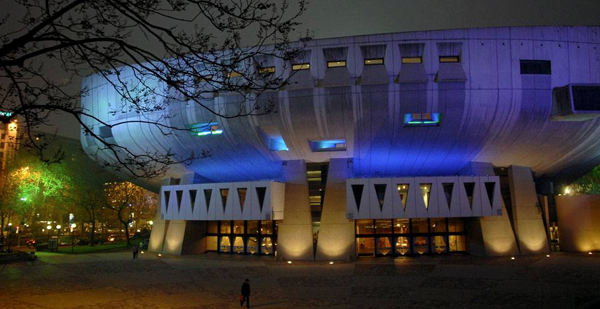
(393,144)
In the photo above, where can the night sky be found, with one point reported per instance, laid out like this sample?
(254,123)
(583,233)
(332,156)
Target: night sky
(337,18)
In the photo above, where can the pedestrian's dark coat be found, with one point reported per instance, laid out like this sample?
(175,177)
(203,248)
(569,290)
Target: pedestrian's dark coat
(246,289)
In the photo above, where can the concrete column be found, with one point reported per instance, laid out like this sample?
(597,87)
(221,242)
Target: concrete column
(336,236)
(489,236)
(527,215)
(294,239)
(159,226)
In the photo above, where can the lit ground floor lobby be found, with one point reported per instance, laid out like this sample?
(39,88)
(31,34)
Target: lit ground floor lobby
(113,280)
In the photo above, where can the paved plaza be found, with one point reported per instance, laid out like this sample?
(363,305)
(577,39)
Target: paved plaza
(113,280)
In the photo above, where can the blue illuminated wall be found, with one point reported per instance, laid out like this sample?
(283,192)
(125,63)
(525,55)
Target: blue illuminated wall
(484,110)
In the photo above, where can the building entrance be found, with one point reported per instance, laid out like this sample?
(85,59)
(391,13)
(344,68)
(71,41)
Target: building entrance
(242,237)
(398,237)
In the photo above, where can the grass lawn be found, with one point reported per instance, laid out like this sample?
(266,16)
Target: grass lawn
(113,246)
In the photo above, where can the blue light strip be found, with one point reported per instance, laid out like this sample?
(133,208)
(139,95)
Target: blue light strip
(328,145)
(435,120)
(207,128)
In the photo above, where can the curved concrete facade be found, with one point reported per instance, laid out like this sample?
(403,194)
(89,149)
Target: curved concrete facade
(490,111)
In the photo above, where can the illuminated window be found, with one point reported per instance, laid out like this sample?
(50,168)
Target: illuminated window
(328,145)
(208,128)
(233,74)
(449,59)
(422,119)
(376,61)
(336,64)
(301,66)
(412,59)
(267,70)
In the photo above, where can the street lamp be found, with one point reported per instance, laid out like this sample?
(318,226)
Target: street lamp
(9,233)
(49,227)
(57,236)
(73,226)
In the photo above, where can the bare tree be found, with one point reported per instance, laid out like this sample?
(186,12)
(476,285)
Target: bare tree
(81,37)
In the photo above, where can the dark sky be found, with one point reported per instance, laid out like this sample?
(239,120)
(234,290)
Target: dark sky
(336,18)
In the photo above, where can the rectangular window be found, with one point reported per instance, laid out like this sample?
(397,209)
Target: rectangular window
(419,226)
(364,227)
(422,119)
(267,70)
(207,128)
(376,61)
(266,227)
(412,59)
(336,64)
(449,59)
(383,226)
(233,74)
(225,227)
(401,226)
(328,145)
(213,227)
(540,67)
(301,66)
(252,227)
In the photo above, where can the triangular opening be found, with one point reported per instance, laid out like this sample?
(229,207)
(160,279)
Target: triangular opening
(167,196)
(448,188)
(470,188)
(193,198)
(357,190)
(261,191)
(426,191)
(380,191)
(489,187)
(403,193)
(179,194)
(242,196)
(207,195)
(224,194)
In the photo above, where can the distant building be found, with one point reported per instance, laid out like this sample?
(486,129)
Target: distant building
(392,144)
(8,142)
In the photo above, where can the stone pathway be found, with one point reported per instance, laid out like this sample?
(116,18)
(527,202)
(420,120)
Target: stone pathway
(112,280)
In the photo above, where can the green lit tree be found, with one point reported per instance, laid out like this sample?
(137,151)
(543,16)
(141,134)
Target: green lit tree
(588,184)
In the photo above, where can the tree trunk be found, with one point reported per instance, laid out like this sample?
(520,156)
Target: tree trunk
(126,225)
(1,228)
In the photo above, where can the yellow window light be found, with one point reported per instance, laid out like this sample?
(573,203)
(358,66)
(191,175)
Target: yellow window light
(412,59)
(374,61)
(301,66)
(336,64)
(233,74)
(267,70)
(449,59)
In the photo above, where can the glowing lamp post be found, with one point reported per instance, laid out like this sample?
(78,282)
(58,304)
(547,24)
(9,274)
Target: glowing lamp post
(73,226)
(57,236)
(9,233)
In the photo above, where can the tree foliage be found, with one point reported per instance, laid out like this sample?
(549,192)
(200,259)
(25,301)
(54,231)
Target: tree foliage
(169,47)
(588,184)
(125,198)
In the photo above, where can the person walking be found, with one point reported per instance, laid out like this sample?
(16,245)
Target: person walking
(245,294)
(135,251)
